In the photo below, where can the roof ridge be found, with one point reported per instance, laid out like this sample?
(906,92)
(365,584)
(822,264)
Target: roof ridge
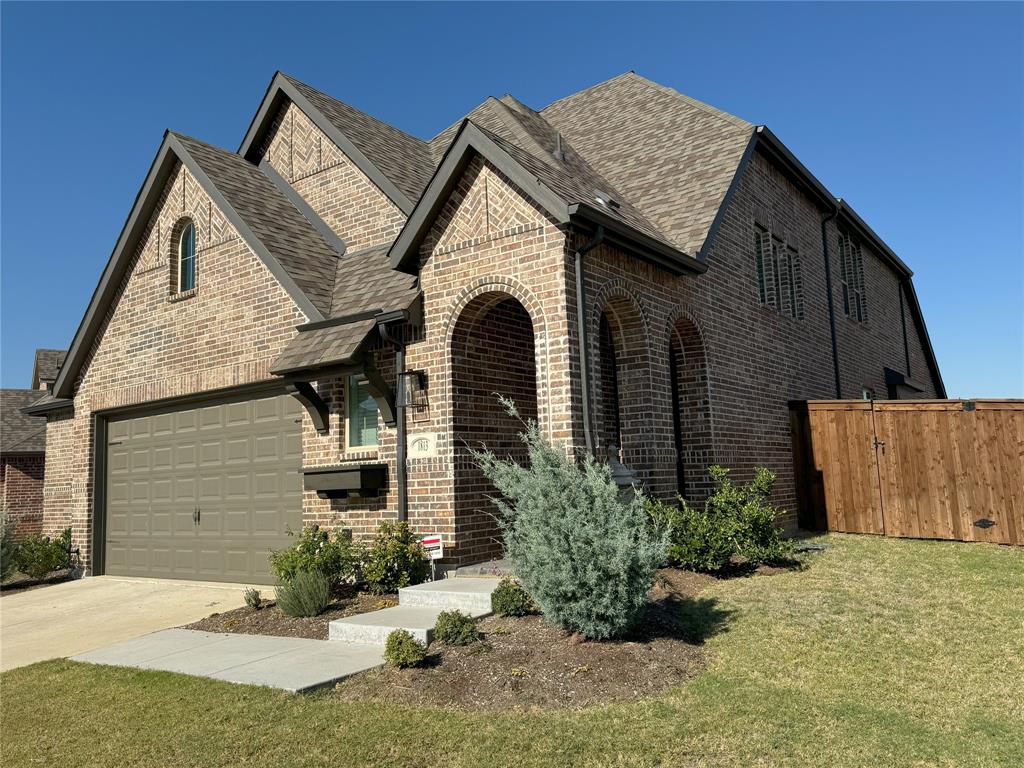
(585,90)
(296,82)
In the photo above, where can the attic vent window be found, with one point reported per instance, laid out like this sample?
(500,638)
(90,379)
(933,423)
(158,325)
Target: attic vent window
(603,198)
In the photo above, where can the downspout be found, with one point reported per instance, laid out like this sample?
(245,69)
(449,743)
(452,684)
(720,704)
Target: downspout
(831,302)
(581,322)
(401,470)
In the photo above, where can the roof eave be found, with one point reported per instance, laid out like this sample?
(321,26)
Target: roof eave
(280,88)
(41,409)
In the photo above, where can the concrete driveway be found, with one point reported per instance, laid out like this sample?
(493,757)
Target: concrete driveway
(77,616)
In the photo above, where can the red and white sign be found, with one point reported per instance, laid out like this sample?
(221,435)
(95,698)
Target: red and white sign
(434,546)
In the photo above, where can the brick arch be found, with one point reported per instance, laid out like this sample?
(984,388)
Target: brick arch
(492,348)
(621,373)
(690,389)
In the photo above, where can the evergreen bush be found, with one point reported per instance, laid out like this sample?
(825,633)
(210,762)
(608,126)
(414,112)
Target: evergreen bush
(455,628)
(307,594)
(38,556)
(395,559)
(585,555)
(510,599)
(316,550)
(736,520)
(401,649)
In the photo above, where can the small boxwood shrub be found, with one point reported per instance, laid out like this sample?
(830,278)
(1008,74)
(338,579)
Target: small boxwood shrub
(316,550)
(38,556)
(307,594)
(403,650)
(253,598)
(455,628)
(585,555)
(510,599)
(394,559)
(736,520)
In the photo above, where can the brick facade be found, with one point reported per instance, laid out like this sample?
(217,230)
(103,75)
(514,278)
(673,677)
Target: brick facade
(499,295)
(21,492)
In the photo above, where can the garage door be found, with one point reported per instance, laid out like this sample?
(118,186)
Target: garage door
(203,493)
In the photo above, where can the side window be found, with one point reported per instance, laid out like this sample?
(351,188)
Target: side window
(779,277)
(851,277)
(361,414)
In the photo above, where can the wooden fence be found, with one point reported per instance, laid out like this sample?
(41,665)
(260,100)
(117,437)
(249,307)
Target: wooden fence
(935,469)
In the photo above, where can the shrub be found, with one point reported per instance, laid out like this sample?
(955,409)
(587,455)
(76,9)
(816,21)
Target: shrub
(307,594)
(8,546)
(403,650)
(510,599)
(38,556)
(736,520)
(395,559)
(315,550)
(586,556)
(455,628)
(253,598)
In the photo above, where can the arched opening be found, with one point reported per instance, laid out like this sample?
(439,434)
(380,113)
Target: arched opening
(492,354)
(691,410)
(622,411)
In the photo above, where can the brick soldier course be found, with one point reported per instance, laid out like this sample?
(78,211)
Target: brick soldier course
(716,273)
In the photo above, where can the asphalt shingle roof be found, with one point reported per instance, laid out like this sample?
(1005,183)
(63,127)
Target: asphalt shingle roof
(315,347)
(284,232)
(47,365)
(366,281)
(19,432)
(673,156)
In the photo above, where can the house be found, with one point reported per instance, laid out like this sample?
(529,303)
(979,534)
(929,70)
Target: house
(23,446)
(312,329)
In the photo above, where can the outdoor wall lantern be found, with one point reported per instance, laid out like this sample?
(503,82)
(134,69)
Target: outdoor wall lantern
(412,389)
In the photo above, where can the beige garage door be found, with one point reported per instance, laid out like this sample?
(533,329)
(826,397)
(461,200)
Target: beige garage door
(203,493)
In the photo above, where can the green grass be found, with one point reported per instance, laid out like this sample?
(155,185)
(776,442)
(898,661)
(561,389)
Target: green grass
(884,653)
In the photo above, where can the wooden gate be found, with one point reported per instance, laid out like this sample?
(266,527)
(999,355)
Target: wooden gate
(935,469)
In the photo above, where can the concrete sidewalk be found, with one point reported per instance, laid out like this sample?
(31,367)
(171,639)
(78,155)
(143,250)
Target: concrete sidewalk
(289,663)
(64,619)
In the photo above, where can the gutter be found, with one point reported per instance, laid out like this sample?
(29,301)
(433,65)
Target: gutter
(581,321)
(401,465)
(831,301)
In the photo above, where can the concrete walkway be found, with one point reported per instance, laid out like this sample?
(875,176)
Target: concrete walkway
(64,619)
(289,663)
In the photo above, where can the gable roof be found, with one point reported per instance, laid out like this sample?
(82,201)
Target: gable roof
(47,365)
(19,432)
(399,164)
(291,248)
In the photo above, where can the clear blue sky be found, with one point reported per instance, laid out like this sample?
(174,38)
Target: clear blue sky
(914,113)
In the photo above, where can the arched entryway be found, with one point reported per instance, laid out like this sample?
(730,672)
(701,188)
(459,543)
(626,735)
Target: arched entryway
(691,409)
(622,382)
(492,351)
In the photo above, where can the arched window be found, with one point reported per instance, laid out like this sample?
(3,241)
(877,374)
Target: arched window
(187,258)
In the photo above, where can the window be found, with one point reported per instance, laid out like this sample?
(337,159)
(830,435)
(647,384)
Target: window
(779,278)
(361,410)
(187,258)
(867,393)
(851,277)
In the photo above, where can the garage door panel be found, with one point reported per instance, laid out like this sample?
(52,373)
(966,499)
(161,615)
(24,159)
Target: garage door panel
(238,463)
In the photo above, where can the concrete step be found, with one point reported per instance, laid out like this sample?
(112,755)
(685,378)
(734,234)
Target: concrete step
(467,595)
(492,569)
(373,628)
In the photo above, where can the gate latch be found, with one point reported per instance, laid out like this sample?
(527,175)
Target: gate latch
(879,444)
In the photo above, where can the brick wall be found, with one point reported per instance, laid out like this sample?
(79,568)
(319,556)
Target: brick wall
(21,492)
(155,345)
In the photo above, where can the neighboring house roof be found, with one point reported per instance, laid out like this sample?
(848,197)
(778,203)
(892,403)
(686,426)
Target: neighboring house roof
(19,432)
(47,366)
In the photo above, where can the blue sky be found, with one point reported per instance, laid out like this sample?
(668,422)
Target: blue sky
(914,113)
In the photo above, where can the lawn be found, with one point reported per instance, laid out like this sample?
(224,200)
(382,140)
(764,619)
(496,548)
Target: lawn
(883,653)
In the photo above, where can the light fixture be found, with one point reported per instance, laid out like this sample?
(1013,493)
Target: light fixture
(412,389)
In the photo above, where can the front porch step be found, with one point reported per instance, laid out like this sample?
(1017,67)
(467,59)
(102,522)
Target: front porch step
(470,595)
(492,569)
(373,628)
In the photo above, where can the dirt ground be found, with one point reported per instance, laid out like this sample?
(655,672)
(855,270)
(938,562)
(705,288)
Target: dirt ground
(269,620)
(526,663)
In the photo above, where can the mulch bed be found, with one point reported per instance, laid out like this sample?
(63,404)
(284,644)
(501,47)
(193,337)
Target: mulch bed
(19,582)
(269,620)
(526,663)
